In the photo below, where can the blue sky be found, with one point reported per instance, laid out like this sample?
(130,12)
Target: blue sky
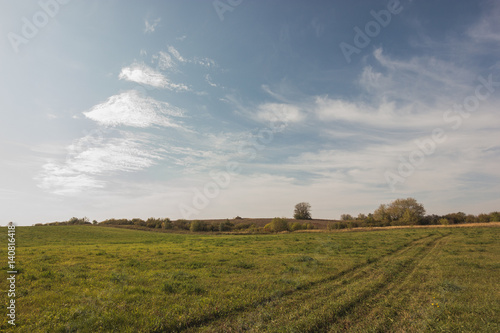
(212,109)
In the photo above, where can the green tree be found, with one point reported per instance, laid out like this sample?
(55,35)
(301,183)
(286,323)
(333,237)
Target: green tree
(483,218)
(495,217)
(361,217)
(409,218)
(398,208)
(302,211)
(381,215)
(400,211)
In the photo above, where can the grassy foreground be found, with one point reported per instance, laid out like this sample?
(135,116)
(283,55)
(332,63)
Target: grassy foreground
(95,279)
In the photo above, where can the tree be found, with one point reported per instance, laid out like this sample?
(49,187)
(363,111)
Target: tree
(382,215)
(361,217)
(346,217)
(400,211)
(495,217)
(302,211)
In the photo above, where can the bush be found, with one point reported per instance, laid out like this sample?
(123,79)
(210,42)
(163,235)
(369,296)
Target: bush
(277,224)
(242,226)
(444,221)
(181,224)
(225,226)
(495,217)
(197,226)
(297,226)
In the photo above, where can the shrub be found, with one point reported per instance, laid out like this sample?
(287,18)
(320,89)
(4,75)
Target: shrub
(278,224)
(197,226)
(444,221)
(242,226)
(225,226)
(181,224)
(297,226)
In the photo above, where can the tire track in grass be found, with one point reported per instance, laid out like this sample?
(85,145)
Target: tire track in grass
(217,316)
(324,298)
(387,323)
(352,304)
(397,278)
(392,290)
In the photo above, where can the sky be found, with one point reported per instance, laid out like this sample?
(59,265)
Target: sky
(216,109)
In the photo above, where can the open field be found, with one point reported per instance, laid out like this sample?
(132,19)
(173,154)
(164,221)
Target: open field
(96,279)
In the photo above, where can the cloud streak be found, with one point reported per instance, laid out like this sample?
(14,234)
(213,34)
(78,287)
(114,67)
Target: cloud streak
(90,158)
(131,109)
(150,27)
(143,74)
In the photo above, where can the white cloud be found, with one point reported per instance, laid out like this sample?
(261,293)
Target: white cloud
(421,80)
(131,109)
(176,54)
(206,62)
(209,80)
(142,74)
(150,27)
(61,180)
(488,27)
(91,157)
(280,113)
(384,115)
(165,61)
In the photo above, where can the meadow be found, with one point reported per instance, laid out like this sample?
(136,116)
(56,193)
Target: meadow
(101,279)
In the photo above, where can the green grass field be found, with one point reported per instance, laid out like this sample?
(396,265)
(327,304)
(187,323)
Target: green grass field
(98,279)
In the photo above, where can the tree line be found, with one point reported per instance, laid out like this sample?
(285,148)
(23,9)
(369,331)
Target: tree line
(397,213)
(408,212)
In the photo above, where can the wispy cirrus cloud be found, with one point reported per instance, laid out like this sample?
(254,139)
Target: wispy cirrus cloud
(488,28)
(165,61)
(90,158)
(131,109)
(173,51)
(172,57)
(280,113)
(150,27)
(143,74)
